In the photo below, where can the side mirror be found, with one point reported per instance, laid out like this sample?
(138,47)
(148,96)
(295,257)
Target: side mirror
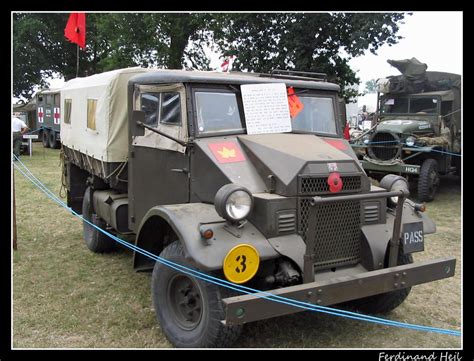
(137,130)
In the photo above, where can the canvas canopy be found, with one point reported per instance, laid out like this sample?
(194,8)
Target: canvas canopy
(97,124)
(415,79)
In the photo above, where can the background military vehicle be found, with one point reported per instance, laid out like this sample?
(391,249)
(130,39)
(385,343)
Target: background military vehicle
(418,130)
(48,114)
(209,170)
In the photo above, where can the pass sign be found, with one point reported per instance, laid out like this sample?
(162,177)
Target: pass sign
(412,237)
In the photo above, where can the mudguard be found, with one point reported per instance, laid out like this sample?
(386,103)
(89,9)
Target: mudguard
(187,219)
(375,237)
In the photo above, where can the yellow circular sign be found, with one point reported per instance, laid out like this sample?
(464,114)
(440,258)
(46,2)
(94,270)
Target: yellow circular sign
(241,263)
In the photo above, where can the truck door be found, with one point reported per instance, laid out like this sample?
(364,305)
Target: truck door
(158,166)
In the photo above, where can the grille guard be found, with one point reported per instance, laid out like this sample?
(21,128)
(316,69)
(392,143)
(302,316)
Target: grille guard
(311,239)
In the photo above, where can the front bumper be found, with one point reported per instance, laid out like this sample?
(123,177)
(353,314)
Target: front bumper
(391,168)
(253,307)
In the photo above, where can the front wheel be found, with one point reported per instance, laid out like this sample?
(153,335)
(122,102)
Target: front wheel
(428,180)
(188,309)
(385,302)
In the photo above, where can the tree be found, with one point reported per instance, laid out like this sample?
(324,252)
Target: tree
(371,86)
(314,42)
(114,41)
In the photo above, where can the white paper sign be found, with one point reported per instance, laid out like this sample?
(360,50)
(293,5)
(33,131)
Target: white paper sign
(266,108)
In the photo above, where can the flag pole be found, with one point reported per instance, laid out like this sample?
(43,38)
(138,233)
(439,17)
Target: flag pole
(77,62)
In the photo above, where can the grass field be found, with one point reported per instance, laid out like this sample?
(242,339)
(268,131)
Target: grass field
(64,296)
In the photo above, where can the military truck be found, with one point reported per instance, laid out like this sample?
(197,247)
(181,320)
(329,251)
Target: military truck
(210,171)
(48,114)
(418,130)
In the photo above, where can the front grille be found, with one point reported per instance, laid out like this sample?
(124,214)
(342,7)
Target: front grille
(319,185)
(337,237)
(385,146)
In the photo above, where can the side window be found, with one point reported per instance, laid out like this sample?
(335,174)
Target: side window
(49,99)
(446,107)
(149,105)
(170,109)
(91,107)
(162,107)
(67,110)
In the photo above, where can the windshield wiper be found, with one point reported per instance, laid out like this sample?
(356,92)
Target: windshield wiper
(184,144)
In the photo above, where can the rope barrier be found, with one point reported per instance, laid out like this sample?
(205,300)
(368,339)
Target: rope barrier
(223,283)
(416,146)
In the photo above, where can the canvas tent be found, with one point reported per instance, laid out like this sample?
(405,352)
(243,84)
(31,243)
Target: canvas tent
(94,120)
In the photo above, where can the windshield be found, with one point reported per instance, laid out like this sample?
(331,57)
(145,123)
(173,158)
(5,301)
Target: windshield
(317,116)
(423,105)
(219,112)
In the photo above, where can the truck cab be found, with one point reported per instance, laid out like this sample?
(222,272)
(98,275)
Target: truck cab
(417,134)
(245,178)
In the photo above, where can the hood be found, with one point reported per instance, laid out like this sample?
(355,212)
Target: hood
(405,126)
(271,162)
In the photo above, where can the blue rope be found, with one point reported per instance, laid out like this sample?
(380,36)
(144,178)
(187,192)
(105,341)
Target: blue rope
(239,288)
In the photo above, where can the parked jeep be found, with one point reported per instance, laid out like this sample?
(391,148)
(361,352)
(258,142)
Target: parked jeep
(245,177)
(418,129)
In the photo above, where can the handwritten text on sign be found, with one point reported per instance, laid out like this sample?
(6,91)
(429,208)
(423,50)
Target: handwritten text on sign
(266,108)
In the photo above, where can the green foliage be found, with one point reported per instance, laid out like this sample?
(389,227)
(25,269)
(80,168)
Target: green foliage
(371,86)
(314,42)
(113,41)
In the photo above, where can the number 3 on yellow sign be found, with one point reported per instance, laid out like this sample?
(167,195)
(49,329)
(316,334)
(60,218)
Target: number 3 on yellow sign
(241,263)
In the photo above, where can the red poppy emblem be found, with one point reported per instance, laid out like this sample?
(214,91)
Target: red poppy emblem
(335,182)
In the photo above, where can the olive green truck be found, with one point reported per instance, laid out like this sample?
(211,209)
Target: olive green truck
(418,128)
(244,177)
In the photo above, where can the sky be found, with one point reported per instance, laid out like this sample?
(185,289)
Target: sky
(434,38)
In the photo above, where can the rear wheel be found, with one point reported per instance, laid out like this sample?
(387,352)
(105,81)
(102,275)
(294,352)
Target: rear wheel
(53,143)
(95,240)
(45,138)
(188,309)
(428,181)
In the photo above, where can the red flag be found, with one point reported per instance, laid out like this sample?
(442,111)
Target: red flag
(75,29)
(226,66)
(347,135)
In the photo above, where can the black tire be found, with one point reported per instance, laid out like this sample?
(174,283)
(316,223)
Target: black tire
(189,310)
(45,138)
(53,143)
(95,240)
(428,180)
(385,302)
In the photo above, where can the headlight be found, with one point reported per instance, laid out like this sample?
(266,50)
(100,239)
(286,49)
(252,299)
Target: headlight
(366,139)
(233,202)
(391,183)
(410,141)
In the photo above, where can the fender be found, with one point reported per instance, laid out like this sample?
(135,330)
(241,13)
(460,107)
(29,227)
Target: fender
(185,220)
(375,237)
